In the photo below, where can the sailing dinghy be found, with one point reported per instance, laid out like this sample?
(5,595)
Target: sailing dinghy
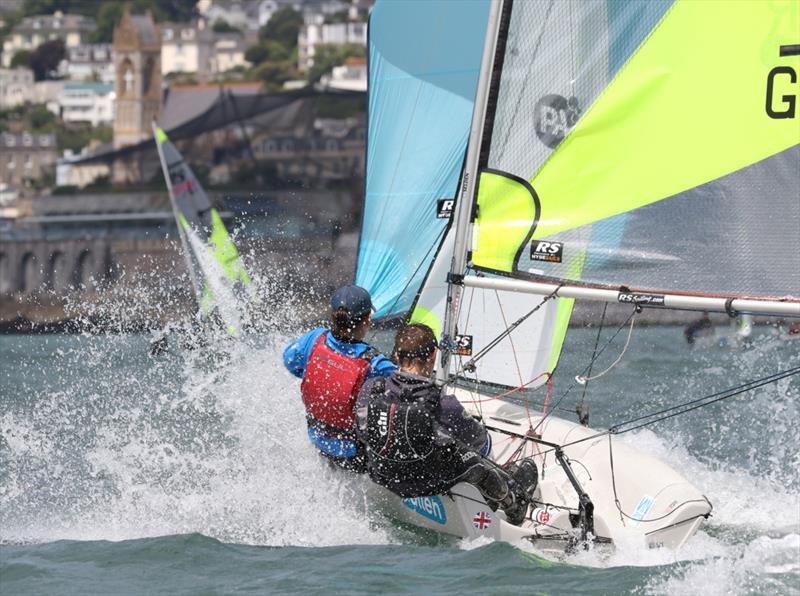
(591,150)
(219,280)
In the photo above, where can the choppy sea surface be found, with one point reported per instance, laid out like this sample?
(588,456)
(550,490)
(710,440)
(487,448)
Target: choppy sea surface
(191,474)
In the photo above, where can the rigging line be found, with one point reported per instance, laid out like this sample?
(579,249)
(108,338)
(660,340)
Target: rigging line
(585,380)
(594,355)
(603,349)
(510,340)
(700,402)
(492,344)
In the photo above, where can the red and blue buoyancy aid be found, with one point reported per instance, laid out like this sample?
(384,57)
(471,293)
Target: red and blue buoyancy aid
(329,389)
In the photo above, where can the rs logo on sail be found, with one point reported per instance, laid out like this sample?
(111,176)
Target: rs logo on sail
(781,78)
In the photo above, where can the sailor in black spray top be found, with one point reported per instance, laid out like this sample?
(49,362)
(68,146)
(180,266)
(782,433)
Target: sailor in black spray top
(419,442)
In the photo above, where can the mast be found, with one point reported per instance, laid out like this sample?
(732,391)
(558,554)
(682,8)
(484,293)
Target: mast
(463,209)
(181,233)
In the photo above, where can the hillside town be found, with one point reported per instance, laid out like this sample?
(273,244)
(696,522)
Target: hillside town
(265,98)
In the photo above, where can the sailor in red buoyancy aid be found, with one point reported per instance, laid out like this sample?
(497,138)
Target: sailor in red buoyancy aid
(334,363)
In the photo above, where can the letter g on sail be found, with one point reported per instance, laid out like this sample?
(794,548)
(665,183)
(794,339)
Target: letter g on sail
(777,79)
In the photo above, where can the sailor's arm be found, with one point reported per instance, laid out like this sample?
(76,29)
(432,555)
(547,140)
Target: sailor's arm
(296,354)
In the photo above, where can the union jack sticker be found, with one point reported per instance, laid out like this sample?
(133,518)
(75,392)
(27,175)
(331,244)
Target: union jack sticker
(482,520)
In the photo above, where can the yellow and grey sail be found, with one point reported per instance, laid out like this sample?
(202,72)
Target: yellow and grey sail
(222,282)
(667,161)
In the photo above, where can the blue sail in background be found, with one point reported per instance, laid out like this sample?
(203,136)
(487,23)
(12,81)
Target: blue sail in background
(424,62)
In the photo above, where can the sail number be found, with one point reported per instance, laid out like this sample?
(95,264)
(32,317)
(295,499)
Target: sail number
(782,77)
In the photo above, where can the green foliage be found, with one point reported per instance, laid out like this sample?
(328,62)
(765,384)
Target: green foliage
(340,106)
(21,59)
(326,56)
(41,119)
(107,17)
(45,59)
(221,26)
(78,138)
(283,27)
(267,51)
(274,74)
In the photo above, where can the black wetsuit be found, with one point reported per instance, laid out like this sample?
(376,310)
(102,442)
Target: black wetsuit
(412,447)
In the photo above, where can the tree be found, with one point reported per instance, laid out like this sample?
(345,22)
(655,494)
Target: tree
(221,26)
(108,15)
(41,118)
(265,51)
(21,59)
(283,26)
(326,56)
(45,59)
(274,74)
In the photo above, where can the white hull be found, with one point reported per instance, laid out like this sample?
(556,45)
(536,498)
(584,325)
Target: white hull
(666,508)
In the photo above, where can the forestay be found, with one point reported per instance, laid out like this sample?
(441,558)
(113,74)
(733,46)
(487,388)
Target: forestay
(424,59)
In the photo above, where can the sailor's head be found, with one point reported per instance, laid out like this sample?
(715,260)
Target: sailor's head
(415,349)
(351,312)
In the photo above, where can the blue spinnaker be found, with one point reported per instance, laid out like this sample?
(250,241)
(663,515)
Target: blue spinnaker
(424,61)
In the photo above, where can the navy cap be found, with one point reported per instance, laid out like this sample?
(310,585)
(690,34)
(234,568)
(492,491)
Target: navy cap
(353,299)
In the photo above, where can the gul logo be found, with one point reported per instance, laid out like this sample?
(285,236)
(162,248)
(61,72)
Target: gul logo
(431,508)
(444,208)
(543,250)
(463,345)
(780,79)
(554,116)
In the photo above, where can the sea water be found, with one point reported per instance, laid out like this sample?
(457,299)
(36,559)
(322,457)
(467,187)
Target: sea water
(191,473)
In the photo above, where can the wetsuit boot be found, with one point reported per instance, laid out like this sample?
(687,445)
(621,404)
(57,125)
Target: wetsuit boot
(524,478)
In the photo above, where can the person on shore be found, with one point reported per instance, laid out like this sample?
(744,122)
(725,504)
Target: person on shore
(421,443)
(334,363)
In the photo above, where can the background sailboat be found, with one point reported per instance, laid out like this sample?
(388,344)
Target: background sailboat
(219,280)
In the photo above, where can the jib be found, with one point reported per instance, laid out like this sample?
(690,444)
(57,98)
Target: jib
(548,247)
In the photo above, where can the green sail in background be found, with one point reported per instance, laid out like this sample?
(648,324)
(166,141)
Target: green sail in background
(221,282)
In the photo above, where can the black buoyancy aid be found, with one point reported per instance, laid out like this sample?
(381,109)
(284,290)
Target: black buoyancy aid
(400,423)
(330,387)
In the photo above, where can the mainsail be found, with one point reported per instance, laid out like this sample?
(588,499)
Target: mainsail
(667,162)
(624,151)
(626,147)
(220,281)
(420,104)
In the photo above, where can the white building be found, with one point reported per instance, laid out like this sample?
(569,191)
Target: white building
(33,31)
(194,48)
(316,32)
(89,62)
(243,14)
(350,76)
(69,174)
(16,87)
(89,103)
